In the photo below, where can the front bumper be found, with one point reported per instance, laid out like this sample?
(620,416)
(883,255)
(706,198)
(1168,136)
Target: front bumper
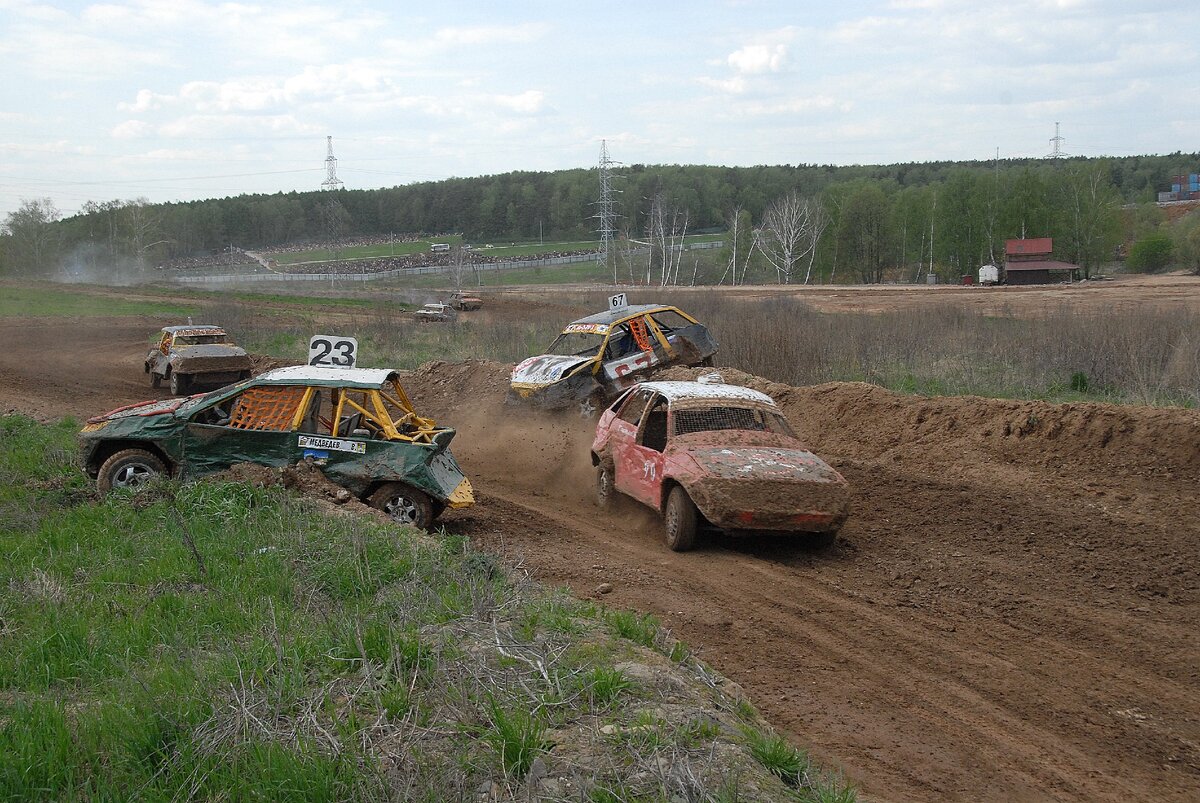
(554,395)
(789,506)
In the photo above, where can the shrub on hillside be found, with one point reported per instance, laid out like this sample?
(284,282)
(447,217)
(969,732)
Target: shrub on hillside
(1151,253)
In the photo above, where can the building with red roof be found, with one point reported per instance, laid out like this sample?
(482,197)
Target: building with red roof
(1029,262)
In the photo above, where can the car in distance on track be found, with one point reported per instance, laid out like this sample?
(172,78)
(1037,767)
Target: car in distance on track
(465,302)
(357,424)
(435,313)
(716,454)
(194,355)
(596,357)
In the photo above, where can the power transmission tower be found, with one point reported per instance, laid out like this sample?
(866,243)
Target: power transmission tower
(331,182)
(1056,142)
(608,219)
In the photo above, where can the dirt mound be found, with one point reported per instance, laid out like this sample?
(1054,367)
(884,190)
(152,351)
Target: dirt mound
(261,363)
(447,385)
(863,421)
(305,478)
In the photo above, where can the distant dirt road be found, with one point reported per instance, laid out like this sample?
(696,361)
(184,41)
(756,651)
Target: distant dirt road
(1010,613)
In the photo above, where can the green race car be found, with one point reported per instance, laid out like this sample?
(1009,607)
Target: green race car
(357,424)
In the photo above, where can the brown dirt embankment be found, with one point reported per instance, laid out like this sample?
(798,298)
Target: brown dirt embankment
(1008,614)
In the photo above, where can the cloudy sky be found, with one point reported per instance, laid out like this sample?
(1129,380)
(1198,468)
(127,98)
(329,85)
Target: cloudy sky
(184,99)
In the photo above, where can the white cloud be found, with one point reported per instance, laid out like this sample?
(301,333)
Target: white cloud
(530,101)
(733,86)
(756,59)
(131,129)
(145,101)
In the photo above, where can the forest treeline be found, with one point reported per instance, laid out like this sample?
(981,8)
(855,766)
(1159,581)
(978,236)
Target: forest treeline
(862,221)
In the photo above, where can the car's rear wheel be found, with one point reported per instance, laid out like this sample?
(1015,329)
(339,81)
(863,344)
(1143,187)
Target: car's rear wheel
(404,505)
(180,383)
(605,493)
(129,468)
(679,520)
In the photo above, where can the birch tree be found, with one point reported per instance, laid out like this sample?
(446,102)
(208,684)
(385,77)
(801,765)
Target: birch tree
(740,247)
(791,228)
(665,232)
(1091,211)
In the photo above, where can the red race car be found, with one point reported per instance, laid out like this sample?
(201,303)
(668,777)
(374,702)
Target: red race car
(707,452)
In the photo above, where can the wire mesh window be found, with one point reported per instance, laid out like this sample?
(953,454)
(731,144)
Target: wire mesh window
(267,408)
(710,419)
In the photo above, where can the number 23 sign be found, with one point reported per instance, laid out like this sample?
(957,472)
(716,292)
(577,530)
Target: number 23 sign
(330,351)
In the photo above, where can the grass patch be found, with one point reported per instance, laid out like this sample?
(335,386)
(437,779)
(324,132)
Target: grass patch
(517,736)
(777,755)
(640,628)
(279,653)
(56,301)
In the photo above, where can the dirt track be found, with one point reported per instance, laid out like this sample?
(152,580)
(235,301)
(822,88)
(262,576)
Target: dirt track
(1010,615)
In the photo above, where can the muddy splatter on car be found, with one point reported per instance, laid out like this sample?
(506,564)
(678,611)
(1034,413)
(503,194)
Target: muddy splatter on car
(194,356)
(711,454)
(596,357)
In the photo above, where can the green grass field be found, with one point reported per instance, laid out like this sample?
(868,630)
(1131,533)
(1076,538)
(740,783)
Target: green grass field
(60,301)
(222,641)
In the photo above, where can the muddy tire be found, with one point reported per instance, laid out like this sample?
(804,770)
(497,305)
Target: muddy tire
(155,380)
(820,540)
(180,384)
(404,505)
(129,468)
(679,521)
(605,492)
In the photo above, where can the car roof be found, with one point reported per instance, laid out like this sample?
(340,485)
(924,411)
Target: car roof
(366,378)
(612,316)
(191,326)
(675,391)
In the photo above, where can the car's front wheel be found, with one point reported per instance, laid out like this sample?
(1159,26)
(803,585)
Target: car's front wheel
(179,383)
(605,493)
(820,540)
(404,505)
(129,468)
(679,520)
(155,380)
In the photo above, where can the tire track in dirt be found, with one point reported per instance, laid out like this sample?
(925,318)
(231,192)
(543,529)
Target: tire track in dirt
(846,633)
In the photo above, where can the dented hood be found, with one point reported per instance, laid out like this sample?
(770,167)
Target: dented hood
(141,409)
(210,350)
(763,463)
(547,368)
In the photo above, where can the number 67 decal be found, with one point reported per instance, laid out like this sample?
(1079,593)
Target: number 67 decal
(332,351)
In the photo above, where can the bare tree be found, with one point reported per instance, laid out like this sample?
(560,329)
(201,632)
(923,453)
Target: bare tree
(665,231)
(141,221)
(458,266)
(791,228)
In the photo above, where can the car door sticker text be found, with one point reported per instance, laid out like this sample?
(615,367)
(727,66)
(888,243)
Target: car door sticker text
(334,444)
(648,470)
